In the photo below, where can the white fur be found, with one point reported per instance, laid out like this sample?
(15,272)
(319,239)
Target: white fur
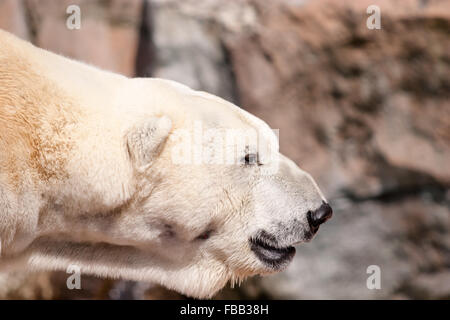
(86,178)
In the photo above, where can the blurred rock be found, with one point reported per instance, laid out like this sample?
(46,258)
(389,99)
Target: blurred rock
(434,285)
(131,290)
(108,37)
(371,105)
(29,286)
(13,16)
(189,47)
(52,285)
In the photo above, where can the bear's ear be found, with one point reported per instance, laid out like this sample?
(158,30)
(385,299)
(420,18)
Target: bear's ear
(145,141)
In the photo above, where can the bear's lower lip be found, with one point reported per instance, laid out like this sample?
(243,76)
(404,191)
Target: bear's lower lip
(272,256)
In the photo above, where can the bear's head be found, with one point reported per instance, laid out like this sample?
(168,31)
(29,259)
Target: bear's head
(205,197)
(215,200)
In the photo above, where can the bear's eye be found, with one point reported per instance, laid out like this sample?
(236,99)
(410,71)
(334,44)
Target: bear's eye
(251,159)
(205,235)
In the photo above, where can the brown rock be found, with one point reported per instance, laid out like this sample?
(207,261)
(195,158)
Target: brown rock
(108,37)
(356,99)
(13,17)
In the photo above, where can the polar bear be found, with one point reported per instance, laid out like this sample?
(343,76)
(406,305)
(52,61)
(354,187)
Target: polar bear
(104,172)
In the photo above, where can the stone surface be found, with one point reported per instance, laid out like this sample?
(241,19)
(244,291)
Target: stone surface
(28,286)
(358,97)
(13,17)
(191,50)
(108,37)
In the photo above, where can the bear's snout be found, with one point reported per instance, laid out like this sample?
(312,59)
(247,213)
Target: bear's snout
(276,249)
(319,216)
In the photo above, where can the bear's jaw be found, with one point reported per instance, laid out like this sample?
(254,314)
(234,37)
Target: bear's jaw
(270,252)
(274,257)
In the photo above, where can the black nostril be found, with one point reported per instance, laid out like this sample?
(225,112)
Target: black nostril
(319,216)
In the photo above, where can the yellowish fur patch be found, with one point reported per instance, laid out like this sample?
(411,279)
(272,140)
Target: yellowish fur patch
(35,120)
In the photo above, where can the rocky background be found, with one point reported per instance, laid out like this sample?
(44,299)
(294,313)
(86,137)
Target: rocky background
(366,112)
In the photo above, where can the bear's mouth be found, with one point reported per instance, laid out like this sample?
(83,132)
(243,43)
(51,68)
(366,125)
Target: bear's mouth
(271,255)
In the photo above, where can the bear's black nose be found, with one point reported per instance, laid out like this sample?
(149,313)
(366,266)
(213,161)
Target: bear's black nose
(319,216)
